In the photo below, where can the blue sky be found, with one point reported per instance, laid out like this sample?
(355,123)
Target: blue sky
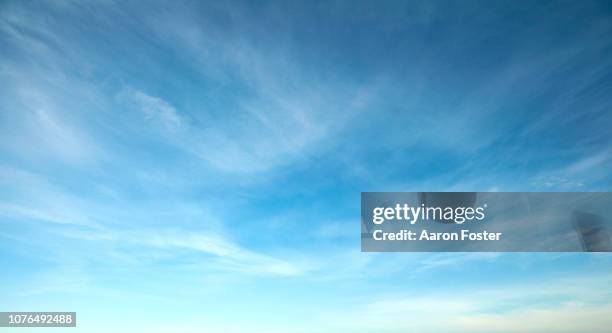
(199,164)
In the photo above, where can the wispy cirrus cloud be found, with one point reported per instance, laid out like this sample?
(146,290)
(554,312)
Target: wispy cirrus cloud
(154,109)
(197,155)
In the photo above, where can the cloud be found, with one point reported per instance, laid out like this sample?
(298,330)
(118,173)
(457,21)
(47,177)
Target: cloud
(34,198)
(154,109)
(559,305)
(203,117)
(588,169)
(232,256)
(41,127)
(567,317)
(439,260)
(261,110)
(56,212)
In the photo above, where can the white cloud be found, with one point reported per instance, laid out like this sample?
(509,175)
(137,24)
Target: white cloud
(154,109)
(556,305)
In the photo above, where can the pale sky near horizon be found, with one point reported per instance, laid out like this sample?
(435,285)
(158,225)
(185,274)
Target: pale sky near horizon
(196,166)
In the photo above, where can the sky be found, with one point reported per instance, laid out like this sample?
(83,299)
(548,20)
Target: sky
(196,166)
